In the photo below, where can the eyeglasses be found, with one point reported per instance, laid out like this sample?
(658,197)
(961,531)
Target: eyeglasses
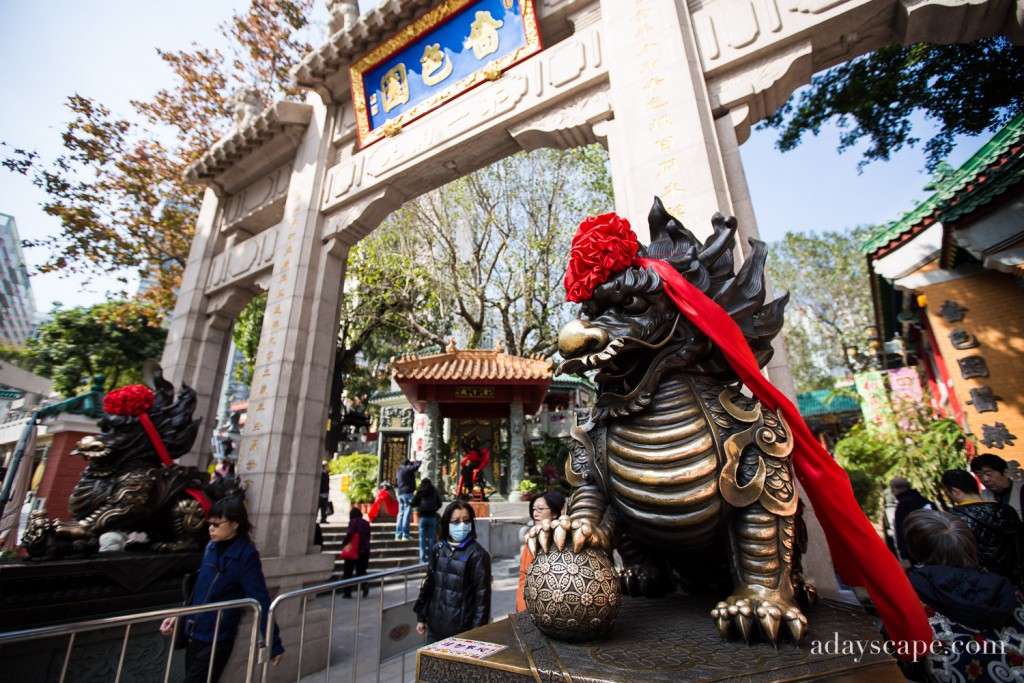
(216,525)
(538,508)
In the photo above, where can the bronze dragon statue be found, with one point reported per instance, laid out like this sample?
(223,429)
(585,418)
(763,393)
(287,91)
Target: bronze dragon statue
(688,478)
(129,485)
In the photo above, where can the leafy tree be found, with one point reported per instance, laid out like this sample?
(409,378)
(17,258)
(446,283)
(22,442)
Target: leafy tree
(966,89)
(916,444)
(484,256)
(118,188)
(830,301)
(246,335)
(111,339)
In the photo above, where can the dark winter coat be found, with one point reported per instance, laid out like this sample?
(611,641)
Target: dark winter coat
(459,585)
(363,527)
(906,502)
(234,574)
(407,477)
(997,529)
(427,501)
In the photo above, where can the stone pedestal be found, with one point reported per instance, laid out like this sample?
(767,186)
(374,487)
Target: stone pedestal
(669,639)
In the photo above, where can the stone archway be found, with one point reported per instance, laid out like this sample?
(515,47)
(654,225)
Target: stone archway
(671,93)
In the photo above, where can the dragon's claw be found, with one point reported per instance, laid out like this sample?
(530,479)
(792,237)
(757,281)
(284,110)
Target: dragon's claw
(565,532)
(741,612)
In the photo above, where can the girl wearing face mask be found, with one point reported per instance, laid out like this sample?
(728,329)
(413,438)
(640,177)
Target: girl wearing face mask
(545,507)
(456,595)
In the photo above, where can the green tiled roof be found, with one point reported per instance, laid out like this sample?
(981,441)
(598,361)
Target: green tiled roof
(982,178)
(813,403)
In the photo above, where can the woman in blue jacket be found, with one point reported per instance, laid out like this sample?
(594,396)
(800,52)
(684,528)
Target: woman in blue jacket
(231,570)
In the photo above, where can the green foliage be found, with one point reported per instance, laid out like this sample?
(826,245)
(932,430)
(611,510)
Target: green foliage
(16,356)
(79,343)
(483,256)
(916,444)
(966,89)
(867,492)
(363,470)
(830,301)
(246,335)
(549,452)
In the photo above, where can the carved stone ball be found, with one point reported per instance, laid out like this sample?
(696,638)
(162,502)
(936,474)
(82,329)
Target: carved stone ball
(572,596)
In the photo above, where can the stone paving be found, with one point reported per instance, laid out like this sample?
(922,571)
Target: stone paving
(354,659)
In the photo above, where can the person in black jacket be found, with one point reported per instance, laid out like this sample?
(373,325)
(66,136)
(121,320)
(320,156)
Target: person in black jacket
(456,595)
(907,500)
(356,524)
(996,526)
(406,488)
(976,615)
(427,502)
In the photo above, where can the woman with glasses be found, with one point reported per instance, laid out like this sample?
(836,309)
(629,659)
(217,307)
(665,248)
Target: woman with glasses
(231,570)
(547,506)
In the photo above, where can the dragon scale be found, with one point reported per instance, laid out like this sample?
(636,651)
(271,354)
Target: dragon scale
(661,457)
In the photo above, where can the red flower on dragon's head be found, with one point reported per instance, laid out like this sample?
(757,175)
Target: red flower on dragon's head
(132,400)
(603,245)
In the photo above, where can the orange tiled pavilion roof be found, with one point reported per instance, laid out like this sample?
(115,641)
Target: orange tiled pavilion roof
(473,382)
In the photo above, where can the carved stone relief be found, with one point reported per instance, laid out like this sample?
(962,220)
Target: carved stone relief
(260,205)
(570,125)
(243,261)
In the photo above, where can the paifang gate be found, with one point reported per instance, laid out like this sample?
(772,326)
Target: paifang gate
(670,88)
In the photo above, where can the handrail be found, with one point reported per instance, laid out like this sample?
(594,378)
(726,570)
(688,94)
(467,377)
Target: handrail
(304,593)
(127,620)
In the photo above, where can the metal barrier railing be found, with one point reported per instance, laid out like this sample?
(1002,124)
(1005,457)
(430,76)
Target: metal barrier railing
(129,620)
(355,585)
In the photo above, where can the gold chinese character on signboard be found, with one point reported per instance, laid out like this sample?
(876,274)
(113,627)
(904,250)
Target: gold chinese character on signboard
(667,166)
(665,143)
(394,86)
(437,65)
(483,35)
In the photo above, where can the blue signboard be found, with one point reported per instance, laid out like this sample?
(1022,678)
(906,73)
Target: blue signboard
(451,49)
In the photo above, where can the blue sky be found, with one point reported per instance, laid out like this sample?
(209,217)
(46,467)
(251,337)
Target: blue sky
(105,49)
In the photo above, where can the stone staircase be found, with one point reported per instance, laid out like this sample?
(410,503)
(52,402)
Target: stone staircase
(385,552)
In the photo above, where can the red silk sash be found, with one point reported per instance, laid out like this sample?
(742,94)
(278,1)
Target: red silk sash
(166,459)
(859,554)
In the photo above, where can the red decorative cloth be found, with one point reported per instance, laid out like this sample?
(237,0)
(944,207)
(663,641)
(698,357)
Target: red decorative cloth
(859,554)
(384,498)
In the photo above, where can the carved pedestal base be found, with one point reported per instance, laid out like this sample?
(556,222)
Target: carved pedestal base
(669,639)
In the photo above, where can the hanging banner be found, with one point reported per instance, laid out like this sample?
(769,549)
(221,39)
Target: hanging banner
(874,404)
(451,49)
(906,387)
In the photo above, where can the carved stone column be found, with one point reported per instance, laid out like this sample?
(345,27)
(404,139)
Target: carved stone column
(662,140)
(516,450)
(431,442)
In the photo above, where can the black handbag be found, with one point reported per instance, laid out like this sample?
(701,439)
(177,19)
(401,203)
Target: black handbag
(426,587)
(188,586)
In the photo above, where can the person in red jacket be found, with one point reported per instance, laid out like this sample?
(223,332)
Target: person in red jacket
(471,467)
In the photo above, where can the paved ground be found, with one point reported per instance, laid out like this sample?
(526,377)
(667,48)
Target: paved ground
(354,659)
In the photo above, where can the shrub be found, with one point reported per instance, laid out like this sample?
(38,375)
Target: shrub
(363,471)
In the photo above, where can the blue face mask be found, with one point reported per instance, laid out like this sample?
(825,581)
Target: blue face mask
(459,532)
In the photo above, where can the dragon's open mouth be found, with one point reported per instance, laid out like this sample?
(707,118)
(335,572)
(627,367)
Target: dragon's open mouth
(623,364)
